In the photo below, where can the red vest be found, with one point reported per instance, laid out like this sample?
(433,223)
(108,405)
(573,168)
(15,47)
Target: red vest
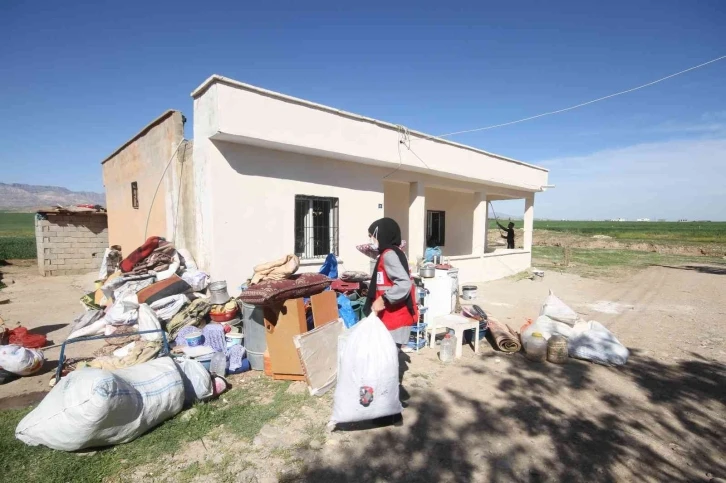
(394,316)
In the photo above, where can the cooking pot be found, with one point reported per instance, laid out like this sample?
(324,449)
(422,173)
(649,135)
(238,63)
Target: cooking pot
(427,272)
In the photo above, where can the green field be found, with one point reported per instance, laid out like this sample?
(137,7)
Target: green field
(661,232)
(17,236)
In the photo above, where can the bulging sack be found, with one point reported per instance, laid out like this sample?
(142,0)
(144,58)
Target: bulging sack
(556,309)
(367,374)
(93,407)
(20,360)
(592,341)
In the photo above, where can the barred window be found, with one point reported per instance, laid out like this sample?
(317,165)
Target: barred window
(436,228)
(316,226)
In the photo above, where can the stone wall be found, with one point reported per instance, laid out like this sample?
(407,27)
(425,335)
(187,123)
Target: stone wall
(70,243)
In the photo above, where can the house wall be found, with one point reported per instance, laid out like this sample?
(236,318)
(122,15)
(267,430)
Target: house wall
(459,208)
(395,204)
(143,160)
(253,206)
(70,244)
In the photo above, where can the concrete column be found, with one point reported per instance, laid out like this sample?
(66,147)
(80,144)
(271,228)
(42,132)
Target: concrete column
(416,221)
(528,220)
(479,233)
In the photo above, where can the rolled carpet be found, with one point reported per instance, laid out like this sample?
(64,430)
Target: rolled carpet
(504,337)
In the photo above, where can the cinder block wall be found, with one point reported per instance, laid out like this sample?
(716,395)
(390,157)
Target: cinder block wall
(70,244)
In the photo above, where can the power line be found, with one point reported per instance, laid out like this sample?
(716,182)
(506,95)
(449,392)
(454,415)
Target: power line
(578,105)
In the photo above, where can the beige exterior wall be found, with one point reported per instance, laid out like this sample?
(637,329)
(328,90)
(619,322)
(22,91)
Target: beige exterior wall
(458,207)
(70,243)
(142,160)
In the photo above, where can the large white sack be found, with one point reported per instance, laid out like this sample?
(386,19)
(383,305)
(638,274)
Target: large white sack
(92,407)
(95,328)
(556,309)
(125,311)
(20,360)
(368,367)
(592,341)
(547,327)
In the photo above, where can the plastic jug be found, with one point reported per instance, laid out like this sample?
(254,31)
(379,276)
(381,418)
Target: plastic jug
(535,347)
(448,346)
(218,364)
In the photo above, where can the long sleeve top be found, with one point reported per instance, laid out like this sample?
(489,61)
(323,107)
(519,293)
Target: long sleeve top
(398,274)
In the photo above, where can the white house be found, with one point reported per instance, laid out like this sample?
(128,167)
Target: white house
(268,174)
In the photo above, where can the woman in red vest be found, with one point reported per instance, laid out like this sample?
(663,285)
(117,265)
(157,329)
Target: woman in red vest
(391,294)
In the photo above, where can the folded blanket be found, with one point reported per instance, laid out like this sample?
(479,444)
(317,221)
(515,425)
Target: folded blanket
(192,314)
(505,338)
(140,253)
(173,285)
(277,270)
(272,292)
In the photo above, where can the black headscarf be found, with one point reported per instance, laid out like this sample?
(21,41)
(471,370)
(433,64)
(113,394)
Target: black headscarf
(388,234)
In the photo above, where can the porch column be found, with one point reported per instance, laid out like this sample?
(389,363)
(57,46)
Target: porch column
(479,233)
(416,221)
(528,221)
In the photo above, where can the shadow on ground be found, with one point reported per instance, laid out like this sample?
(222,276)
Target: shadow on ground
(710,269)
(677,418)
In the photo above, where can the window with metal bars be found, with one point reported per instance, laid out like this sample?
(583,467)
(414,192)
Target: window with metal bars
(135,195)
(316,226)
(436,228)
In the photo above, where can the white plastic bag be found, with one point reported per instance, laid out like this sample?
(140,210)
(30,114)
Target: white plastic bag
(197,381)
(149,321)
(591,341)
(93,407)
(20,360)
(368,376)
(124,311)
(196,279)
(556,309)
(547,327)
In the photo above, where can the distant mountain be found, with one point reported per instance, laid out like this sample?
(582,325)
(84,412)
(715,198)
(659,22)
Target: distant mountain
(19,197)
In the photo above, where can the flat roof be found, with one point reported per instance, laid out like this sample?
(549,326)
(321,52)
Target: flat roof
(216,78)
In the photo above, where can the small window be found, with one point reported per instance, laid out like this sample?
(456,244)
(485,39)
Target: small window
(135,195)
(316,226)
(436,227)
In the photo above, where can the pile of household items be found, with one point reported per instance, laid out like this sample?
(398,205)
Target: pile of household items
(557,334)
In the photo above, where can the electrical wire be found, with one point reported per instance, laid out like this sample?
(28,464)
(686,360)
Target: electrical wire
(148,217)
(405,139)
(575,106)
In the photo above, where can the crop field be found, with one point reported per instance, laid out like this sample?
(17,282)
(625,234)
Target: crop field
(17,236)
(660,232)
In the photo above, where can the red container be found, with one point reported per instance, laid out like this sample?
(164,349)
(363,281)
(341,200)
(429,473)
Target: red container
(224,316)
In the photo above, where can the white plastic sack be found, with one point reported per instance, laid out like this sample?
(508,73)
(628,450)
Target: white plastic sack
(556,309)
(196,279)
(124,311)
(149,321)
(593,342)
(168,307)
(187,259)
(173,267)
(103,271)
(368,376)
(197,381)
(96,328)
(547,327)
(20,360)
(93,407)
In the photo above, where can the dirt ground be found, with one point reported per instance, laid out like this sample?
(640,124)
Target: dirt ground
(490,416)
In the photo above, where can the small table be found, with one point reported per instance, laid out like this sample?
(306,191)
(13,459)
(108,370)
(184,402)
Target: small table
(458,324)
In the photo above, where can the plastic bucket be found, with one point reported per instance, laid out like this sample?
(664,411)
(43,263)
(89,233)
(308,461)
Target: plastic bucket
(234,338)
(468,292)
(253,321)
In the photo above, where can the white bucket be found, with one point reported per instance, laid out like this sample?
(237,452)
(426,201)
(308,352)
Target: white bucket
(468,292)
(538,275)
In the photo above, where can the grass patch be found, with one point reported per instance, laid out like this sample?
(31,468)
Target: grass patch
(17,236)
(240,416)
(599,262)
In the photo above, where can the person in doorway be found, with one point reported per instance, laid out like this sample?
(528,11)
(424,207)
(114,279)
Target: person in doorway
(510,234)
(432,250)
(391,294)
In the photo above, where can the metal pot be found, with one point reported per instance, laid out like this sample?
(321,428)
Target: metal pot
(427,272)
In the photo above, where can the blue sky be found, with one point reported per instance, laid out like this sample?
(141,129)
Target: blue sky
(79,78)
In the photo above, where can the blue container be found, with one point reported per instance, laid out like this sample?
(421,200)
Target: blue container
(194,339)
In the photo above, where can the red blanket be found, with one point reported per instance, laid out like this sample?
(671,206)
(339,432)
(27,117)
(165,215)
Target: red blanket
(140,253)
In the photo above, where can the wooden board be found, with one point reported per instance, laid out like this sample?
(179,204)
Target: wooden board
(325,308)
(288,377)
(318,351)
(281,324)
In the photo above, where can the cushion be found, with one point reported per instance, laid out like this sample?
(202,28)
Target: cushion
(270,292)
(173,285)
